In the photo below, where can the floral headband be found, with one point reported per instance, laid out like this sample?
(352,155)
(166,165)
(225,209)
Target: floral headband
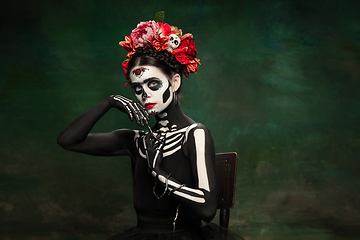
(162,36)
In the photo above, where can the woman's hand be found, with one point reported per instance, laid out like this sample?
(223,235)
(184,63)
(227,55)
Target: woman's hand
(77,137)
(133,109)
(154,150)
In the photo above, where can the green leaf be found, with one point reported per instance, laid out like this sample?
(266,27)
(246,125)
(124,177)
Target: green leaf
(160,16)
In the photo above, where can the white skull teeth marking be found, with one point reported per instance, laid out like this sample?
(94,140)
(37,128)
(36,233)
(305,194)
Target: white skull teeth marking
(162,115)
(164,129)
(164,122)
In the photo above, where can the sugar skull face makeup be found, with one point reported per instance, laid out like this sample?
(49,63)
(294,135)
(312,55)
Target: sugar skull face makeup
(152,88)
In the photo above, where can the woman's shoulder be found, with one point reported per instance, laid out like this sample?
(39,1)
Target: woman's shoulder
(197,134)
(191,124)
(196,130)
(196,126)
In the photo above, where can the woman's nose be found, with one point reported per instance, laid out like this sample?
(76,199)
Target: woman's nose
(144,94)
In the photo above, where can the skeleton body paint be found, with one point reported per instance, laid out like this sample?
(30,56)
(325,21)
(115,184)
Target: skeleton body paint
(175,137)
(177,164)
(173,141)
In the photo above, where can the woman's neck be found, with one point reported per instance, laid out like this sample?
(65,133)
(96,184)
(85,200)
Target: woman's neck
(172,117)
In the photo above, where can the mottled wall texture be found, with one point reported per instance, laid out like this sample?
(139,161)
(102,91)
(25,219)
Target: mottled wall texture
(279,84)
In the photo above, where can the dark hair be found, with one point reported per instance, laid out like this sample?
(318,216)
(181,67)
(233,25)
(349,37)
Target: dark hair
(161,59)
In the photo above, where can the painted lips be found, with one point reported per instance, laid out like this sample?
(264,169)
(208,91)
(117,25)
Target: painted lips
(150,105)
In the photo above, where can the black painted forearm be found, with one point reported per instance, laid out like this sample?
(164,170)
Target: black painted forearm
(78,130)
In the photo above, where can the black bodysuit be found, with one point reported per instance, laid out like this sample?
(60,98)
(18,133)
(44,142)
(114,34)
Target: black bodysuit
(185,168)
(174,162)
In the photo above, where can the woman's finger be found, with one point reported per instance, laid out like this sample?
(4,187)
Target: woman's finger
(140,113)
(135,113)
(128,111)
(144,112)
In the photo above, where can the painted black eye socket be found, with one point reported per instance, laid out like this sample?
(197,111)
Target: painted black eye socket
(138,90)
(154,85)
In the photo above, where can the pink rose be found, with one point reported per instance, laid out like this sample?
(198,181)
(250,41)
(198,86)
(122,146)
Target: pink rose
(143,32)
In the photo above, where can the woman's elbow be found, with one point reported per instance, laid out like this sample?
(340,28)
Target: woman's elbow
(208,211)
(61,140)
(208,214)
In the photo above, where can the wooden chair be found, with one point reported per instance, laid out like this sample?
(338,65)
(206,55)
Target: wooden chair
(226,168)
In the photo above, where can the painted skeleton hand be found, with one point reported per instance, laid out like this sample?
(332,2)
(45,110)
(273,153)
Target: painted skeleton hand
(154,149)
(133,109)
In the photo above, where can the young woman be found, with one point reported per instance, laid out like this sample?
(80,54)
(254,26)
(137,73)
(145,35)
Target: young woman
(175,181)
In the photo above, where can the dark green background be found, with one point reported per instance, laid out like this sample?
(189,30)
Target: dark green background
(279,84)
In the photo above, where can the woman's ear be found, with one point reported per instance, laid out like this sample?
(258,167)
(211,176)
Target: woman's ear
(176,82)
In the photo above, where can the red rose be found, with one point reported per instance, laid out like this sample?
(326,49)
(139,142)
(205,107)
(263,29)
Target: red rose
(190,44)
(182,58)
(192,49)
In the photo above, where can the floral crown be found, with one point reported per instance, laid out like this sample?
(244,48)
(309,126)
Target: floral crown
(162,36)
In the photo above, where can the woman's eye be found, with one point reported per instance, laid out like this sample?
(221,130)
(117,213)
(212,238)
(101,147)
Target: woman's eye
(138,89)
(152,84)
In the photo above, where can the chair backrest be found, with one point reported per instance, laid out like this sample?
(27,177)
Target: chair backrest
(226,168)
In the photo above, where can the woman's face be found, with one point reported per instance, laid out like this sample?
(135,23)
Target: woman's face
(152,88)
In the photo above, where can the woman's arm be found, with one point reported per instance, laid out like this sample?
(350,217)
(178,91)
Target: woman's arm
(202,199)
(77,137)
